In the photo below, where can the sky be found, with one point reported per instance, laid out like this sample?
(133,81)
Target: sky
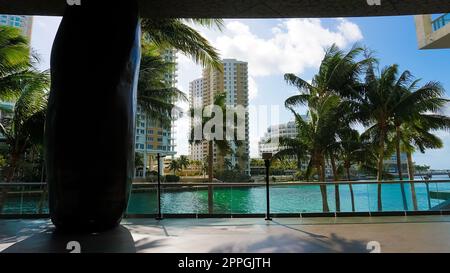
(273,47)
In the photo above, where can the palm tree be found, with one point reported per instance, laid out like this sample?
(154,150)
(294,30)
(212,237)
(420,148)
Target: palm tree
(338,73)
(175,33)
(374,105)
(416,106)
(205,165)
(416,134)
(184,162)
(223,145)
(26,128)
(353,151)
(154,95)
(14,62)
(175,166)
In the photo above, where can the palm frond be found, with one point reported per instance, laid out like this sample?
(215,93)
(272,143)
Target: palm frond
(176,34)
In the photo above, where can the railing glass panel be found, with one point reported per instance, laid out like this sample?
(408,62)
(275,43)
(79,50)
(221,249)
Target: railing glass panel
(250,198)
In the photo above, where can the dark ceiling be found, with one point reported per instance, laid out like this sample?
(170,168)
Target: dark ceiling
(247,8)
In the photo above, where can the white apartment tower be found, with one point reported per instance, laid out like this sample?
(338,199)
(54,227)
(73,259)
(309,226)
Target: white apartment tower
(196,101)
(234,82)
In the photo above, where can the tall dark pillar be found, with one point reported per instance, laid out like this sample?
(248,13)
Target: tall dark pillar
(89,134)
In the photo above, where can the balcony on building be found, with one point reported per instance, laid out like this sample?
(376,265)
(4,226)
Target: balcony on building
(433,33)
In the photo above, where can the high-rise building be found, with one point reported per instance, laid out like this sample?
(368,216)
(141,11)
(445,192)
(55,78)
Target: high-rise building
(433,32)
(285,130)
(25,23)
(234,82)
(196,101)
(151,137)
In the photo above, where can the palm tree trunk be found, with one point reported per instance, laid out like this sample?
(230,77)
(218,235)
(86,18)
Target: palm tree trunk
(336,186)
(210,160)
(411,178)
(380,168)
(399,166)
(397,150)
(323,188)
(352,196)
(210,176)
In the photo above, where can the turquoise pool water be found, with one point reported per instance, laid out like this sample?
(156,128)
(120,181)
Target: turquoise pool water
(284,199)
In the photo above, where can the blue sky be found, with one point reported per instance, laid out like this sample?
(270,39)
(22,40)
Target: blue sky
(274,47)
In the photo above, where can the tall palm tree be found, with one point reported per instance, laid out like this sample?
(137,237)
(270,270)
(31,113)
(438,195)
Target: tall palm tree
(313,136)
(351,145)
(417,134)
(223,145)
(417,106)
(374,105)
(26,128)
(14,62)
(175,166)
(184,162)
(338,73)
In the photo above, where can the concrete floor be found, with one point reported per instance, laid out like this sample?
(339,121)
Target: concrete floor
(352,234)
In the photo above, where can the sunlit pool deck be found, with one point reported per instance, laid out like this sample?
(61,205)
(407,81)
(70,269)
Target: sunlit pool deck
(345,234)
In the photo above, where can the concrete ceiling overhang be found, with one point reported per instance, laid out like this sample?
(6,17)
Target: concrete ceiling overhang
(247,8)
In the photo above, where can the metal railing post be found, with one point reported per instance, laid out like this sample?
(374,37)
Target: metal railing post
(159,216)
(267,157)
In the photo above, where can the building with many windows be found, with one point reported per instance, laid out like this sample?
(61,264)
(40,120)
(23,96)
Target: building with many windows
(151,137)
(286,130)
(25,23)
(433,31)
(234,82)
(196,101)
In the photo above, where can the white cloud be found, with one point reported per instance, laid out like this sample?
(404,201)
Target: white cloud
(295,44)
(252,88)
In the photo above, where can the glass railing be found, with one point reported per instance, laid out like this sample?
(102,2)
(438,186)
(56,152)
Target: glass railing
(441,21)
(241,199)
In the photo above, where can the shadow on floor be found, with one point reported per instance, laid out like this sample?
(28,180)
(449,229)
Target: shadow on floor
(118,240)
(288,243)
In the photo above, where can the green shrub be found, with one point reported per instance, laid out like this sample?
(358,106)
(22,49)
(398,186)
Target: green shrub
(232,176)
(172,178)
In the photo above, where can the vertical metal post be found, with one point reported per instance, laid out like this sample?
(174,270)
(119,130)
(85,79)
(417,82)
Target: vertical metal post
(210,199)
(159,217)
(428,194)
(267,162)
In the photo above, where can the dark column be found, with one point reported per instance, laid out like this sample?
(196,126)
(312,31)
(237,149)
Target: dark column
(89,135)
